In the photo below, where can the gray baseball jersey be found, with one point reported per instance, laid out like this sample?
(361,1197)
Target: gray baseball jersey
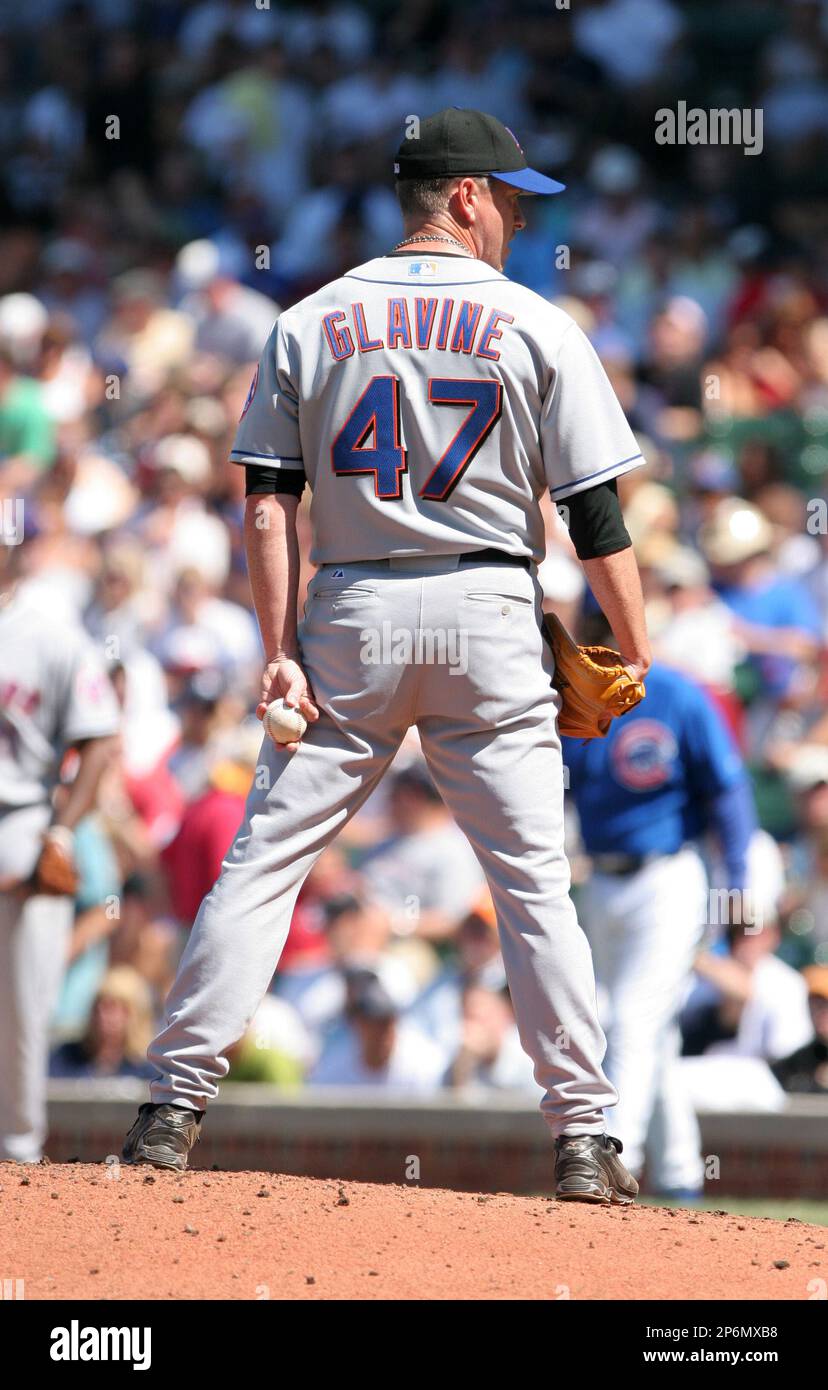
(430,402)
(54,690)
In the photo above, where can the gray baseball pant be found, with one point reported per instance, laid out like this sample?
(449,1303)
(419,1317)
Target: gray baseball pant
(477,684)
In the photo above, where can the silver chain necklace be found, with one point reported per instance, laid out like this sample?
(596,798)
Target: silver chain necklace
(410,240)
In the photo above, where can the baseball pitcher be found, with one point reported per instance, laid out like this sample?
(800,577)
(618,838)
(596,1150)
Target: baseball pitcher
(428,403)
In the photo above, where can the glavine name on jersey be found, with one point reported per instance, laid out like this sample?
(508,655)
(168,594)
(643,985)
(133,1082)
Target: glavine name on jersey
(429,323)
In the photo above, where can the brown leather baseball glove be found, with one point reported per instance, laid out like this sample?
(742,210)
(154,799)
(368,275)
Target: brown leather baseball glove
(594,684)
(55,870)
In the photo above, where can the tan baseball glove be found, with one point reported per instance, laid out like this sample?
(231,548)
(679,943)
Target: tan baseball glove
(55,870)
(594,684)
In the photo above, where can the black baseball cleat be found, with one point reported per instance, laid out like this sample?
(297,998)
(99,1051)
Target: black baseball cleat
(163,1136)
(588,1169)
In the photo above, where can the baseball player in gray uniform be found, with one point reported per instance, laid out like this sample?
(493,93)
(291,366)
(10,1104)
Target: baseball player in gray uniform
(428,402)
(54,694)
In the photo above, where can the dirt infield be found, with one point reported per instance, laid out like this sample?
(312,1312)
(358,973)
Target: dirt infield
(88,1231)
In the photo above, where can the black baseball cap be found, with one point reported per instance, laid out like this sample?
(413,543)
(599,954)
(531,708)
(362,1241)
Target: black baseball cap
(459,141)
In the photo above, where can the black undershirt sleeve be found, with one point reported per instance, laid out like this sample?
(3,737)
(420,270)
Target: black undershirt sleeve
(595,522)
(258,481)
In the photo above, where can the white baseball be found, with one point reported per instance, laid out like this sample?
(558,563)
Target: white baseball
(284,724)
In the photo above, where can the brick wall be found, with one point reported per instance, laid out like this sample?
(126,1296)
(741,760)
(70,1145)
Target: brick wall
(447,1143)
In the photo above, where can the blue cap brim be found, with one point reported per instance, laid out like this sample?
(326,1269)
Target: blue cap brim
(530,181)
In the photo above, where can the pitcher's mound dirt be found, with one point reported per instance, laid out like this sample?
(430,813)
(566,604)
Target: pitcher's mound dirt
(88,1231)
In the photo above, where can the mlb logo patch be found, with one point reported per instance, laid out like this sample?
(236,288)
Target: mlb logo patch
(422,270)
(338,574)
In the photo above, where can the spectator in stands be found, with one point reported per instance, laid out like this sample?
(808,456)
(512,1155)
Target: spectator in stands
(230,320)
(692,630)
(197,704)
(617,220)
(377,1048)
(438,1010)
(306,253)
(175,525)
(253,124)
(332,877)
(210,820)
(369,103)
(359,937)
(777,620)
(206,24)
(118,609)
(145,939)
(796,97)
(198,606)
(806,771)
(118,1033)
(96,919)
(807,1068)
(747,1011)
(72,288)
(346,27)
(711,474)
(747,1002)
(673,367)
(470,75)
(144,339)
(27,432)
(425,873)
(490,1056)
(631,39)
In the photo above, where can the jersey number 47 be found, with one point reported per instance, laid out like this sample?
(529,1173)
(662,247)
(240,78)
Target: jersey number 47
(369,441)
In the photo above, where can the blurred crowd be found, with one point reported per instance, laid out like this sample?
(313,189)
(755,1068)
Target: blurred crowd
(172,175)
